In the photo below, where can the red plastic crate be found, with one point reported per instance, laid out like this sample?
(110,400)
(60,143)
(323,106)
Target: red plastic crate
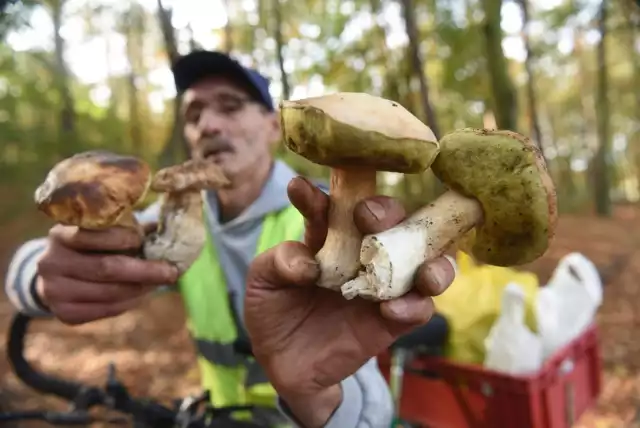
(446,394)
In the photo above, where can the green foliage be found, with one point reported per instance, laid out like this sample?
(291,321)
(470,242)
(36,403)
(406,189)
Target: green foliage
(348,48)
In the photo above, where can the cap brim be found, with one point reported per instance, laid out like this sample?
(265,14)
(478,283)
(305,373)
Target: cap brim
(196,65)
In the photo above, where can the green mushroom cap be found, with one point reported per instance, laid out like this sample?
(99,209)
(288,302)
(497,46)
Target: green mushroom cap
(507,174)
(357,129)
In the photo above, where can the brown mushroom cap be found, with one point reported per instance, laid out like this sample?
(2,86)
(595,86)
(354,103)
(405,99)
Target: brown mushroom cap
(357,129)
(193,174)
(93,189)
(507,174)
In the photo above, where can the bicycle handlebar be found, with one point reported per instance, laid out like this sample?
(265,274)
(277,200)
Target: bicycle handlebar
(25,371)
(187,413)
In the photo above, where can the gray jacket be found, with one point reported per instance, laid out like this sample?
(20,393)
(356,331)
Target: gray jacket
(367,401)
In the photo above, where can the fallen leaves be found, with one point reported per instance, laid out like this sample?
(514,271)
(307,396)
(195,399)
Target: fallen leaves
(155,356)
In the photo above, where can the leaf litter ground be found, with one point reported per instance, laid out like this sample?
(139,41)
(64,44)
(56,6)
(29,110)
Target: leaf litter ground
(155,357)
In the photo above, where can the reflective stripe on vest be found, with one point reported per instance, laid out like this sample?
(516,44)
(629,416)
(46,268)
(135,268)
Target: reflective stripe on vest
(232,378)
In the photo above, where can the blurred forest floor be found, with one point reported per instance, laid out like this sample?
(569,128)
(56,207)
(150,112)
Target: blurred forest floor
(154,355)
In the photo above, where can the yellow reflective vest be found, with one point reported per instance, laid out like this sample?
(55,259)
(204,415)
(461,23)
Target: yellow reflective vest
(231,378)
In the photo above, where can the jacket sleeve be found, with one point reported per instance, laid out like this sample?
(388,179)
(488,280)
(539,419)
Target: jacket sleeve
(366,401)
(20,281)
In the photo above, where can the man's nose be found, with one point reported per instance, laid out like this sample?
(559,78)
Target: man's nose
(210,123)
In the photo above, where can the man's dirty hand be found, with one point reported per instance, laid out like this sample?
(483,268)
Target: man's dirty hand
(309,339)
(87,275)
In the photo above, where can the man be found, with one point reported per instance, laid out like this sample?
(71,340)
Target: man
(313,350)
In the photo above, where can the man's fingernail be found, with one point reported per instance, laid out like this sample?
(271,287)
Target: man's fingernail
(303,264)
(453,262)
(171,272)
(375,209)
(305,180)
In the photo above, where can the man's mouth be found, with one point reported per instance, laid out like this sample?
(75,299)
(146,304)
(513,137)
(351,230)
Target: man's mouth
(215,152)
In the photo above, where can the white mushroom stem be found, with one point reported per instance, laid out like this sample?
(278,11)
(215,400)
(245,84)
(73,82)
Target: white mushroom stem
(181,233)
(338,258)
(391,258)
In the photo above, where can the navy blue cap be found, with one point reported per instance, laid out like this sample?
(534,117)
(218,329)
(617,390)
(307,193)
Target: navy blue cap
(196,65)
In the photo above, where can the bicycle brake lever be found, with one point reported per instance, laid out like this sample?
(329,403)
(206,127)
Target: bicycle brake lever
(112,379)
(115,390)
(189,403)
(204,397)
(187,410)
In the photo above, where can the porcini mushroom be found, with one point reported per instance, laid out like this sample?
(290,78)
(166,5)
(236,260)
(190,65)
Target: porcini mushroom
(100,189)
(501,204)
(357,135)
(94,190)
(181,233)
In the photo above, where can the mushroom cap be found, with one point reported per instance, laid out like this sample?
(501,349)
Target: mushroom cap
(350,128)
(507,174)
(191,175)
(93,189)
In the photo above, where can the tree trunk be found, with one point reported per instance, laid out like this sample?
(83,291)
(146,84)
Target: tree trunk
(134,51)
(228,29)
(405,74)
(601,165)
(67,112)
(277,12)
(391,87)
(193,45)
(564,177)
(113,99)
(633,17)
(418,65)
(504,96)
(587,127)
(531,91)
(175,148)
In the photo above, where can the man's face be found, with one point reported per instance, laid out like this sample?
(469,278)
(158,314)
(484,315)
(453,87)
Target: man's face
(225,125)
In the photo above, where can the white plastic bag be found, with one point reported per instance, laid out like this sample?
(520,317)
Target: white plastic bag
(511,347)
(568,303)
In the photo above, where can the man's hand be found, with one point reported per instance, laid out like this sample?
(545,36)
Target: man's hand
(84,275)
(308,338)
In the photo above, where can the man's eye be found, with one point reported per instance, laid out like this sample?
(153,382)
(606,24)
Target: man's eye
(230,107)
(192,116)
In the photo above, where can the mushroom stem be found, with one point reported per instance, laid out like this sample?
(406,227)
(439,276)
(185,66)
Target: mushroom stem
(391,258)
(181,233)
(338,258)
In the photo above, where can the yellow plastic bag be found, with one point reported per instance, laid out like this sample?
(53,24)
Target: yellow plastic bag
(472,304)
(465,262)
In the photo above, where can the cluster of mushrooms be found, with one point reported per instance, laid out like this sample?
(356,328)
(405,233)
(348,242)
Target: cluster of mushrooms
(500,205)
(99,189)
